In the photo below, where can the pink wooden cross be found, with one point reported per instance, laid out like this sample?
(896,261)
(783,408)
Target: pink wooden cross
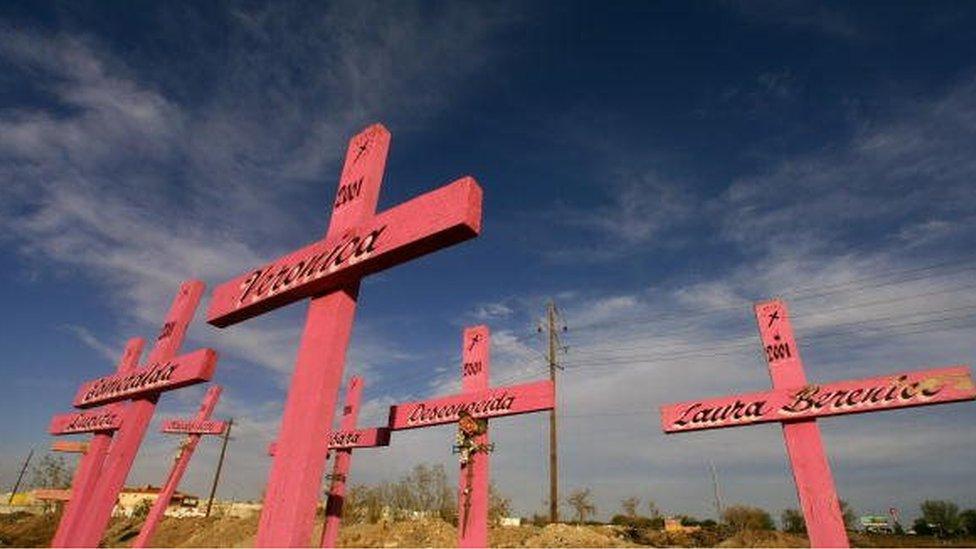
(342,442)
(142,387)
(194,429)
(359,242)
(796,404)
(481,402)
(90,465)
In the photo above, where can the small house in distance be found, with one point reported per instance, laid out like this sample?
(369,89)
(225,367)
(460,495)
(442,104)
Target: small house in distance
(131,499)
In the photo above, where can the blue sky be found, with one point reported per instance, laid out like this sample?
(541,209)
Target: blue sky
(654,167)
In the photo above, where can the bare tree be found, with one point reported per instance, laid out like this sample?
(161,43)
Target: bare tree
(630,505)
(499,506)
(580,501)
(744,517)
(652,510)
(51,472)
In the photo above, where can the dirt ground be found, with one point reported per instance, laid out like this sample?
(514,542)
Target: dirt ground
(23,530)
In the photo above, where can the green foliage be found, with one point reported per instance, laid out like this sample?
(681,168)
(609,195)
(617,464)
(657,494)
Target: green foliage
(943,514)
(581,501)
(922,528)
(967,520)
(849,515)
(687,520)
(141,510)
(743,517)
(793,522)
(637,522)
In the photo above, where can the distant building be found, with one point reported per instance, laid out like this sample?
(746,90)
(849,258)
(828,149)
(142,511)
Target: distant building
(180,505)
(877,524)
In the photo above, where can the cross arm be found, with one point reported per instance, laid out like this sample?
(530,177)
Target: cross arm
(85,422)
(442,217)
(188,369)
(193,426)
(360,438)
(918,388)
(500,401)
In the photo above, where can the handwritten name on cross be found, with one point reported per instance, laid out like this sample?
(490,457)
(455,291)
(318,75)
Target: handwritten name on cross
(797,404)
(141,387)
(359,242)
(90,465)
(475,404)
(194,429)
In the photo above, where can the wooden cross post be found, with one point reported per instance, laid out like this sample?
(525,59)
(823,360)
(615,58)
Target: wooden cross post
(359,242)
(342,442)
(471,409)
(194,429)
(795,404)
(142,387)
(102,423)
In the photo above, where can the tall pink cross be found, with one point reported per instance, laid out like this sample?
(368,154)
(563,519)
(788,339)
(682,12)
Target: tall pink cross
(193,429)
(359,242)
(342,442)
(142,388)
(475,402)
(796,404)
(102,423)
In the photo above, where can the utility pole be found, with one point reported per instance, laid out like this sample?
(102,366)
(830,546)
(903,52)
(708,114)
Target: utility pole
(718,493)
(552,315)
(20,477)
(220,465)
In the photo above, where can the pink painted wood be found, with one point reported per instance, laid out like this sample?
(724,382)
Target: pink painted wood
(180,464)
(473,499)
(74,423)
(70,446)
(796,405)
(193,427)
(918,388)
(481,402)
(357,243)
(90,465)
(495,402)
(804,445)
(340,464)
(52,494)
(135,421)
(369,437)
(164,375)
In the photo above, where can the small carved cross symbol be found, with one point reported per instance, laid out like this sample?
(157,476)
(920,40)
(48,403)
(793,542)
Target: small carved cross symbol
(773,317)
(362,149)
(474,340)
